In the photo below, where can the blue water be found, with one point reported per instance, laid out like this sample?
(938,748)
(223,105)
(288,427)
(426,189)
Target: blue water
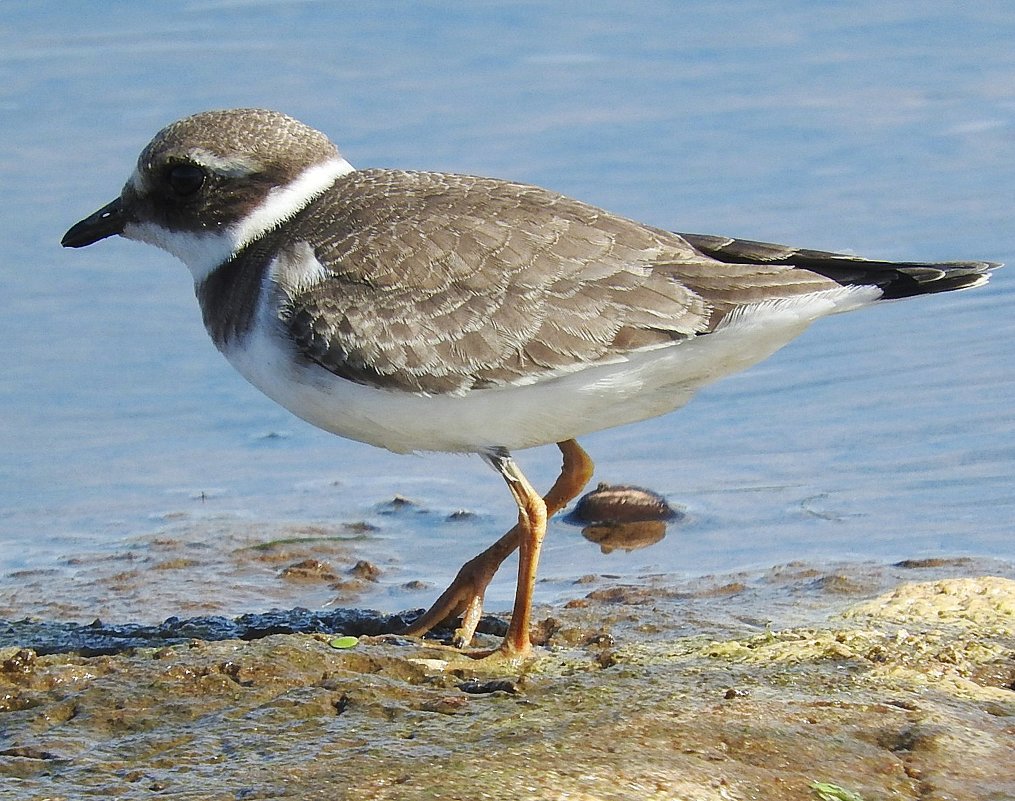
(885,128)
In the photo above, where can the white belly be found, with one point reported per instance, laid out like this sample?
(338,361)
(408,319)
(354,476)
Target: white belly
(646,384)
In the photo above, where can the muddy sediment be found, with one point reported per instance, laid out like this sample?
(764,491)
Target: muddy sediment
(880,681)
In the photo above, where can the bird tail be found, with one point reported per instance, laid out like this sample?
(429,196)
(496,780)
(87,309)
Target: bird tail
(895,279)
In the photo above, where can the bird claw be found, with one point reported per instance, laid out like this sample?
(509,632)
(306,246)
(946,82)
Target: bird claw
(470,620)
(466,593)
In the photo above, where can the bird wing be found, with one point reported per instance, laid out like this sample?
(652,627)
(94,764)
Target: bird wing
(443,283)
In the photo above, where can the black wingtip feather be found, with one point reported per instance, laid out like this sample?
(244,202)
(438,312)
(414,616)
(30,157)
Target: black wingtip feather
(896,279)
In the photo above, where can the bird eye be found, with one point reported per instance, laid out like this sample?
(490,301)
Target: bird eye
(185,179)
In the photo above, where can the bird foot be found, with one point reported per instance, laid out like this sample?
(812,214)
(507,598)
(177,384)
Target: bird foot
(465,594)
(502,654)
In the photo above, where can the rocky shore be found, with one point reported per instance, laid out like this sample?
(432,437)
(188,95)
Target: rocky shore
(846,682)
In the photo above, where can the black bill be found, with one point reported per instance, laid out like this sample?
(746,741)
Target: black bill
(105,222)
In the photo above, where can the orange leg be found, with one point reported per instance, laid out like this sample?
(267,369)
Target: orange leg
(532,530)
(465,594)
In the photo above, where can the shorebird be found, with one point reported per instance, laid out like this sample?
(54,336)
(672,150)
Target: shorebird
(423,311)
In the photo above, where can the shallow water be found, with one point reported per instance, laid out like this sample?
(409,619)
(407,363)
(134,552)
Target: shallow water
(884,128)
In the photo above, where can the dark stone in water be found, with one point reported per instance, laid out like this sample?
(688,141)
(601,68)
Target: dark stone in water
(621,504)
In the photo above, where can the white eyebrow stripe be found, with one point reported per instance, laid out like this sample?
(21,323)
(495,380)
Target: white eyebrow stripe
(238,166)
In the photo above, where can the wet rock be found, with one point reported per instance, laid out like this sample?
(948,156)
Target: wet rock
(623,595)
(616,503)
(544,629)
(840,585)
(365,570)
(308,570)
(478,687)
(996,674)
(98,638)
(719,590)
(881,698)
(176,564)
(28,752)
(20,663)
(932,562)
(446,705)
(360,527)
(461,515)
(399,505)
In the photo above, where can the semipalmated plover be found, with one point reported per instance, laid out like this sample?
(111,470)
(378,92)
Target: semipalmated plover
(422,311)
